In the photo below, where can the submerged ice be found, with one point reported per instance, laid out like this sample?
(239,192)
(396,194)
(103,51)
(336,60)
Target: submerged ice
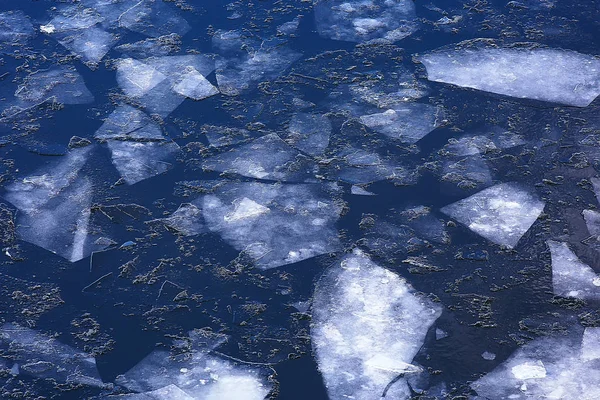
(553,75)
(501,213)
(368,325)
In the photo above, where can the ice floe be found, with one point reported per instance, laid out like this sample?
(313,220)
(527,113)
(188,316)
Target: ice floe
(15,29)
(153,18)
(129,123)
(37,355)
(364,20)
(55,208)
(368,325)
(408,123)
(267,157)
(552,75)
(501,213)
(309,133)
(570,276)
(137,161)
(547,368)
(274,224)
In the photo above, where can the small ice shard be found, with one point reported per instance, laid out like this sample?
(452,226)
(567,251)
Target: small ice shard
(289,27)
(309,133)
(153,18)
(501,213)
(552,75)
(408,123)
(55,208)
(570,276)
(273,224)
(545,368)
(486,355)
(48,28)
(440,334)
(361,21)
(467,172)
(186,220)
(41,356)
(137,161)
(137,78)
(359,191)
(129,123)
(590,344)
(194,85)
(267,157)
(368,325)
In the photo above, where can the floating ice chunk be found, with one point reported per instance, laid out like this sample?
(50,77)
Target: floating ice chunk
(267,157)
(194,85)
(592,221)
(199,375)
(309,133)
(558,76)
(237,75)
(63,84)
(15,28)
(90,44)
(590,344)
(170,392)
(440,334)
(55,208)
(186,220)
(360,20)
(359,191)
(219,136)
(153,18)
(137,161)
(486,355)
(40,356)
(137,78)
(570,276)
(128,122)
(289,28)
(546,368)
(468,172)
(409,123)
(162,46)
(494,139)
(501,213)
(71,18)
(274,224)
(368,325)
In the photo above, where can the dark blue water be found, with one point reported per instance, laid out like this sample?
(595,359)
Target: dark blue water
(167,284)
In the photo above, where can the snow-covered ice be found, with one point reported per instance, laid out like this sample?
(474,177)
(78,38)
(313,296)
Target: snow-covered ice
(368,325)
(545,74)
(501,213)
(570,276)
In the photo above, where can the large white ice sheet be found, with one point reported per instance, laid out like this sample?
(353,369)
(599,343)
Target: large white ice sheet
(368,325)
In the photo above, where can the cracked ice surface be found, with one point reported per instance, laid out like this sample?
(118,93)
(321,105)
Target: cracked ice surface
(55,208)
(128,122)
(570,276)
(558,76)
(564,368)
(364,20)
(274,224)
(501,213)
(368,325)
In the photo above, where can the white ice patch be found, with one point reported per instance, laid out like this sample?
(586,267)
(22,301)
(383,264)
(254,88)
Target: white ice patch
(153,18)
(194,85)
(368,325)
(501,213)
(553,75)
(91,44)
(186,220)
(570,276)
(41,356)
(590,344)
(546,368)
(273,224)
(364,20)
(137,161)
(408,123)
(137,78)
